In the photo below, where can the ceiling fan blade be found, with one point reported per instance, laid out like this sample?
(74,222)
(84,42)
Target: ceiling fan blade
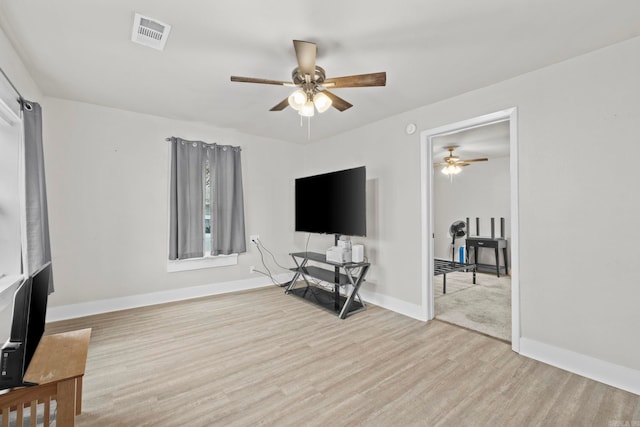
(261,81)
(360,80)
(281,106)
(337,102)
(306,53)
(484,159)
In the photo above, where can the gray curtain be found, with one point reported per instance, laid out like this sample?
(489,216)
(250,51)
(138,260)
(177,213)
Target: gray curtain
(37,228)
(227,203)
(186,229)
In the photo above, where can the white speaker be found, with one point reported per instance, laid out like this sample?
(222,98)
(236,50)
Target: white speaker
(357,253)
(338,255)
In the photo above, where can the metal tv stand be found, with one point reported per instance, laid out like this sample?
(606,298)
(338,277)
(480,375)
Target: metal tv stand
(342,305)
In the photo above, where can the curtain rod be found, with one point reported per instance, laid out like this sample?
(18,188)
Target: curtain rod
(168,139)
(20,97)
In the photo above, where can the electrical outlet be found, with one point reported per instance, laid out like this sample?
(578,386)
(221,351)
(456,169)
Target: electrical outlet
(252,268)
(254,238)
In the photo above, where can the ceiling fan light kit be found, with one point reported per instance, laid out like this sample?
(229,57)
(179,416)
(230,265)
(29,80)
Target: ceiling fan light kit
(322,102)
(451,170)
(306,104)
(452,165)
(311,93)
(307,109)
(297,99)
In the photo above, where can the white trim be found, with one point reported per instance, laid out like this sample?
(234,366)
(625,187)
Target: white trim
(7,115)
(204,262)
(89,308)
(426,149)
(426,187)
(8,286)
(599,370)
(515,230)
(390,303)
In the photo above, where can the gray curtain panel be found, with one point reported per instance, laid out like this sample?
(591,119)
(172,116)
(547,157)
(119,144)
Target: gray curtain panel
(37,229)
(186,229)
(227,202)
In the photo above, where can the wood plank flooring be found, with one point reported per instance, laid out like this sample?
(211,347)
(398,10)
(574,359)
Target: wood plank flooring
(264,358)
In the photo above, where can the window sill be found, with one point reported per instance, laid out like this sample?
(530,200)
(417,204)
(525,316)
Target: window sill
(204,262)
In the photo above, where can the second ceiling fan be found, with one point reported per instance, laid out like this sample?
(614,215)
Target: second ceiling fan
(312,83)
(452,164)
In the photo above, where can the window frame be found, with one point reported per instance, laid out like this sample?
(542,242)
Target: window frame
(207,261)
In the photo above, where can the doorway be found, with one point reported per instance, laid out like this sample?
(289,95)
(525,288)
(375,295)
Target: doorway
(471,201)
(437,139)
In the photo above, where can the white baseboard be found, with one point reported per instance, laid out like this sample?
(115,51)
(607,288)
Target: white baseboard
(408,309)
(90,308)
(605,372)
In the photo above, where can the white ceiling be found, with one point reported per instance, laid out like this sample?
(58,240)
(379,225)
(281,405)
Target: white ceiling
(430,49)
(490,141)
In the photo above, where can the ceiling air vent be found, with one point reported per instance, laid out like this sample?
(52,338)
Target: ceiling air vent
(149,32)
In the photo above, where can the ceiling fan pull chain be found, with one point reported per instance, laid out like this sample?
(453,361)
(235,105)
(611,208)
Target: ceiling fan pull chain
(309,128)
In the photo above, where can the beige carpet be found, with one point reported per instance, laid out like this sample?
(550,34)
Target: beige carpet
(484,307)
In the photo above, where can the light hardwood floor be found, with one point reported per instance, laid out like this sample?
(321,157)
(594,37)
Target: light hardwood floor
(264,358)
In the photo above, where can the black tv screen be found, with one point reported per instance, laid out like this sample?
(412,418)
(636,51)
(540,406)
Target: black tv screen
(37,310)
(20,317)
(332,203)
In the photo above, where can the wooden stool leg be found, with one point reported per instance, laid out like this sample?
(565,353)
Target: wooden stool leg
(65,415)
(78,396)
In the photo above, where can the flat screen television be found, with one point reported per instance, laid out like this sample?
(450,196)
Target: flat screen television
(332,203)
(27,326)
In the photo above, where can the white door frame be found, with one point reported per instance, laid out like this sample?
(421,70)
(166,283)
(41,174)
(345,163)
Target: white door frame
(426,147)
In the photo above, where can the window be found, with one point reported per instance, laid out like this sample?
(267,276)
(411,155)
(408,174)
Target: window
(206,203)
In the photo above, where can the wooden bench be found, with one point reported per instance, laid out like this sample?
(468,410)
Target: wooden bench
(57,367)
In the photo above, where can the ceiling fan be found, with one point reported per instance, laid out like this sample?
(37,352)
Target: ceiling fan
(452,164)
(312,84)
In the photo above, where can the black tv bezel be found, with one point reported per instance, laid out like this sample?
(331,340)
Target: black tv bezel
(361,232)
(37,310)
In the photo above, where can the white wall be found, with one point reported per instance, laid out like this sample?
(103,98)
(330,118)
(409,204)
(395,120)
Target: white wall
(577,120)
(392,245)
(480,190)
(107,176)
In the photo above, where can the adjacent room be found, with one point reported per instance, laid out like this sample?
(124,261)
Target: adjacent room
(233,213)
(471,203)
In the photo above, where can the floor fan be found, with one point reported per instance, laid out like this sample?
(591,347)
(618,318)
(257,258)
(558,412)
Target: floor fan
(456,230)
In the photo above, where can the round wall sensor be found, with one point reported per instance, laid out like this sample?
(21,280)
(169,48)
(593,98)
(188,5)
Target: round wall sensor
(410,129)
